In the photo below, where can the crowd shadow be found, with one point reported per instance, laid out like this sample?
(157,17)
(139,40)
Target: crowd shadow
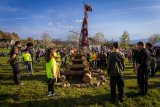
(156,76)
(6,69)
(154,85)
(6,83)
(132,94)
(6,96)
(127,77)
(34,77)
(133,88)
(84,100)
(5,77)
(128,67)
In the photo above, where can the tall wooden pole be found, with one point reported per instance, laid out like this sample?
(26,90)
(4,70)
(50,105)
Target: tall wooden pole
(83,40)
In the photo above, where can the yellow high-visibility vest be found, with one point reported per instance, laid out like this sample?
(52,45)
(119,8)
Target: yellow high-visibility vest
(94,56)
(58,58)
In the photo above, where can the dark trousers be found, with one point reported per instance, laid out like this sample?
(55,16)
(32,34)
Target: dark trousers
(37,58)
(152,71)
(104,64)
(134,63)
(51,85)
(16,73)
(130,60)
(98,63)
(116,80)
(157,69)
(142,79)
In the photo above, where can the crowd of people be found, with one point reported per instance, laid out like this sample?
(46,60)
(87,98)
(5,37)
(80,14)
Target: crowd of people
(145,60)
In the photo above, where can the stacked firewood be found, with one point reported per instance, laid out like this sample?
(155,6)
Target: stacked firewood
(79,69)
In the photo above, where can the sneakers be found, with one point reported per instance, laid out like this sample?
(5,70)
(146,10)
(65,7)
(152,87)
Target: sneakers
(21,83)
(54,94)
(50,94)
(32,70)
(121,100)
(112,101)
(115,101)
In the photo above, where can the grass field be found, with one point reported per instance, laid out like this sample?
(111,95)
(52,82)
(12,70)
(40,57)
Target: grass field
(34,91)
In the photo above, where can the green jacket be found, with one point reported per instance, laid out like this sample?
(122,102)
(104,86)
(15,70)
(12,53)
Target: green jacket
(12,51)
(116,64)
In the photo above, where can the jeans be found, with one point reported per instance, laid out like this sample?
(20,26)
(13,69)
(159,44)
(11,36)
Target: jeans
(28,66)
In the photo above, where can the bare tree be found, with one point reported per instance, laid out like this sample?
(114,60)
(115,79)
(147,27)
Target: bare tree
(154,38)
(1,34)
(100,37)
(124,39)
(46,40)
(73,37)
(14,36)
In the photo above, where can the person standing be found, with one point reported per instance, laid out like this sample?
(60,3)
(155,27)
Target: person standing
(51,67)
(135,56)
(115,71)
(14,62)
(27,60)
(38,52)
(143,68)
(130,55)
(157,56)
(31,51)
(95,59)
(149,46)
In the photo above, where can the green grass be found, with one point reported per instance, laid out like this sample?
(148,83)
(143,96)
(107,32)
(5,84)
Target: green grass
(34,91)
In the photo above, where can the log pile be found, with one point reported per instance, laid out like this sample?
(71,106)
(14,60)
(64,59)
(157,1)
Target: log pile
(79,70)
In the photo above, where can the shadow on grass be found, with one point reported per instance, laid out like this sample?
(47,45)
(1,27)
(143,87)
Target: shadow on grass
(154,85)
(8,83)
(23,69)
(84,100)
(6,77)
(4,97)
(133,88)
(127,77)
(132,94)
(128,67)
(35,77)
(156,76)
(6,69)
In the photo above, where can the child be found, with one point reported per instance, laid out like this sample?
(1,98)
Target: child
(51,70)
(58,60)
(38,55)
(28,60)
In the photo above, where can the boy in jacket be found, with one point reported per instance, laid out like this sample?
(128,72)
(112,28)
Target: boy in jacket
(115,71)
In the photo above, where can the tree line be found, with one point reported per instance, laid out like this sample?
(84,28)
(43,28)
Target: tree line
(99,38)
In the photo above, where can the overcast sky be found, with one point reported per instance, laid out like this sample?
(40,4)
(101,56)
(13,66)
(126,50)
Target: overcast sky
(141,18)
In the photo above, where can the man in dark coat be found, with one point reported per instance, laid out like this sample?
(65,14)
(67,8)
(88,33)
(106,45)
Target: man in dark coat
(143,68)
